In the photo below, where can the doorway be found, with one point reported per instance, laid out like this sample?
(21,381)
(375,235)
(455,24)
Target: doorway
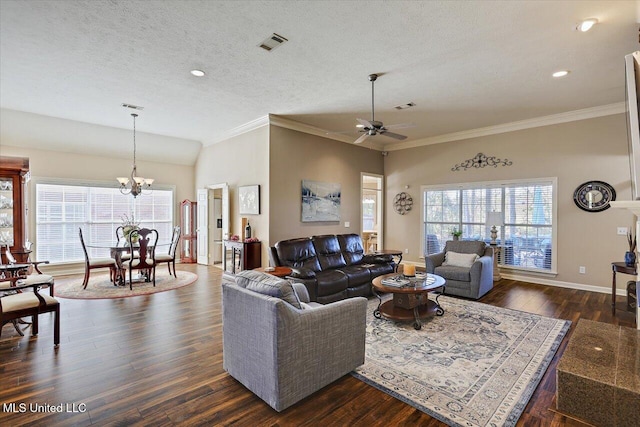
(213,223)
(372,213)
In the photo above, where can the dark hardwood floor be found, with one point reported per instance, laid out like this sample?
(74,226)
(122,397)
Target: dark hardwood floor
(157,360)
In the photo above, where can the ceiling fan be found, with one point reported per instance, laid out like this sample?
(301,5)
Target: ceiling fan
(373,127)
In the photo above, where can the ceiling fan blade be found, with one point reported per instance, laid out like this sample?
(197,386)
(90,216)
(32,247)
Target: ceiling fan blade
(365,123)
(361,139)
(393,135)
(401,126)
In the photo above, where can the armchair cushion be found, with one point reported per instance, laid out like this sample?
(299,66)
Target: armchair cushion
(266,284)
(455,259)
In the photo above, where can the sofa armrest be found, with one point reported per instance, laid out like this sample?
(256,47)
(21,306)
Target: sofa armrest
(301,292)
(482,275)
(432,261)
(302,273)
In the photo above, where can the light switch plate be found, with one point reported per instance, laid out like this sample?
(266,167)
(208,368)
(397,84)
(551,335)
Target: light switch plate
(347,224)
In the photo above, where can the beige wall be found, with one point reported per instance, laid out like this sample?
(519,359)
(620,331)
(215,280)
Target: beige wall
(296,156)
(58,165)
(242,160)
(575,152)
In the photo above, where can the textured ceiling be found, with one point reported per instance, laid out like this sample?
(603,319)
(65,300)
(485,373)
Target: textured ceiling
(466,64)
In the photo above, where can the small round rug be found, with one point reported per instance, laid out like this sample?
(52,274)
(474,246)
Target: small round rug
(100,287)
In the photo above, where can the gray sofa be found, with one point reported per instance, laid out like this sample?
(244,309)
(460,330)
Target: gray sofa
(471,282)
(283,353)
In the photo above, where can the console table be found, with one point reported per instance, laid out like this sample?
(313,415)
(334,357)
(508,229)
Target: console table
(243,256)
(619,267)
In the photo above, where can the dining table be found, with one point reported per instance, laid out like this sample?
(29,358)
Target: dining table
(117,250)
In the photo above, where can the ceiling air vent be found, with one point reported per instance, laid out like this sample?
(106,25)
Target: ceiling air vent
(133,107)
(404,106)
(272,42)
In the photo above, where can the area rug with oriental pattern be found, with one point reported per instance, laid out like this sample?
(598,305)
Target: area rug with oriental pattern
(100,287)
(477,365)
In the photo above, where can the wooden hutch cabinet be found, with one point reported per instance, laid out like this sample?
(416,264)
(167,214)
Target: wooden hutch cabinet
(188,223)
(14,175)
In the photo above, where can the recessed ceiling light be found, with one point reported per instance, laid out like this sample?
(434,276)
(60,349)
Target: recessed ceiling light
(359,126)
(197,73)
(587,24)
(560,73)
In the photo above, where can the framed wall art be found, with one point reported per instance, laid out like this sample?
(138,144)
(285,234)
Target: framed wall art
(320,201)
(249,199)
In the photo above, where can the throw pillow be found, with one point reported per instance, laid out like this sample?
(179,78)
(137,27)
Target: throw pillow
(306,306)
(266,284)
(455,259)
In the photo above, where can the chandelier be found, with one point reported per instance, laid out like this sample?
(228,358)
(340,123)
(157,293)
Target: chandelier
(135,184)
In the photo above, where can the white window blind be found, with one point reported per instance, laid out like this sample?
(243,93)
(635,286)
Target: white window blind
(526,229)
(62,209)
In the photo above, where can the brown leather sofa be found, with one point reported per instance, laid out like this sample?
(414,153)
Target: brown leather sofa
(332,267)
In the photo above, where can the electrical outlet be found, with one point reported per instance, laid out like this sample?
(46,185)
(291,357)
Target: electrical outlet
(622,231)
(347,224)
(582,270)
(406,250)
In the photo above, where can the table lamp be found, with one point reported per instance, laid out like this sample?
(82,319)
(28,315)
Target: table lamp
(495,220)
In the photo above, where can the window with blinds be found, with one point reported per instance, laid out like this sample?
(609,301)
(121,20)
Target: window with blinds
(62,209)
(522,211)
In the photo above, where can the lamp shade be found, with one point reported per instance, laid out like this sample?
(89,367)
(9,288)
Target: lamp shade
(494,218)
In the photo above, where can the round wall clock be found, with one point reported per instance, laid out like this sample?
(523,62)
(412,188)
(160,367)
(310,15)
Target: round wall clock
(402,203)
(594,196)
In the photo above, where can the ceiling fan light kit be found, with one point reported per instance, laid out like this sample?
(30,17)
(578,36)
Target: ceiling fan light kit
(374,127)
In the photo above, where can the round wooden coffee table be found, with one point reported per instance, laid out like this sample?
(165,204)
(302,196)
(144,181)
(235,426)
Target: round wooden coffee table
(410,301)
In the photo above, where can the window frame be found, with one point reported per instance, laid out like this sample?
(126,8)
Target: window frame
(501,184)
(35,181)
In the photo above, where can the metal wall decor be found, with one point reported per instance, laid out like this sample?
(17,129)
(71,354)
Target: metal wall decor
(481,161)
(402,203)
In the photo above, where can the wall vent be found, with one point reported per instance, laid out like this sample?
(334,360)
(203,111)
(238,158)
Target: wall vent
(272,42)
(133,107)
(405,106)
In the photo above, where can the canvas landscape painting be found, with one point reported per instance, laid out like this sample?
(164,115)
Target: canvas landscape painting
(320,201)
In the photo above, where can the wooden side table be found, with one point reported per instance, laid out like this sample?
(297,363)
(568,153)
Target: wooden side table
(277,271)
(619,267)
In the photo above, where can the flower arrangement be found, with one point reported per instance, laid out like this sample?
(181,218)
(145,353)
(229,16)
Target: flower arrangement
(631,239)
(456,233)
(130,225)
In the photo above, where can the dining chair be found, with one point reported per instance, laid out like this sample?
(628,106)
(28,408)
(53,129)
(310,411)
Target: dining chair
(39,278)
(145,261)
(170,258)
(29,303)
(93,263)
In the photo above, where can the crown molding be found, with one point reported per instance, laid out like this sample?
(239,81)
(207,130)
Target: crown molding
(239,130)
(282,122)
(570,116)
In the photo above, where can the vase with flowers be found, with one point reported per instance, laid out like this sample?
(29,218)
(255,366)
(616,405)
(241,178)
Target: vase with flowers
(456,233)
(130,227)
(630,256)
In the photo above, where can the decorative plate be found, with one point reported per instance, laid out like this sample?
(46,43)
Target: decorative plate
(402,203)
(594,196)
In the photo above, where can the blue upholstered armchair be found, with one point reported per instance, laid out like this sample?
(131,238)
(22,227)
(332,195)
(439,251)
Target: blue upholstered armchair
(465,275)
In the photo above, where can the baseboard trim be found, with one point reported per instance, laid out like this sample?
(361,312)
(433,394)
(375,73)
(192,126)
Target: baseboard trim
(621,290)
